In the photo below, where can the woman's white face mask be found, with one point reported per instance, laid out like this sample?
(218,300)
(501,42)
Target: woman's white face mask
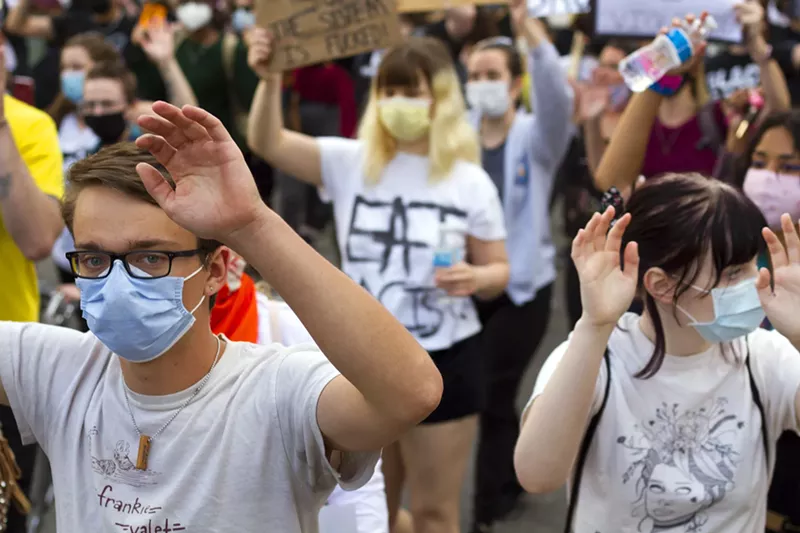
(489,97)
(194,15)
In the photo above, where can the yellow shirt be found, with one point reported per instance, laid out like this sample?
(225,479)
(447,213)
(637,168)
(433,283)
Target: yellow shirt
(36,137)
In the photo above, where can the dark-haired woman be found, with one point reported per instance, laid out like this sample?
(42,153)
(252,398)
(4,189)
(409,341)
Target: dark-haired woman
(770,173)
(521,153)
(668,421)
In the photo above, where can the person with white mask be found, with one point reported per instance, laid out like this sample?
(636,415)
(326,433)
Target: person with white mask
(521,152)
(214,60)
(668,421)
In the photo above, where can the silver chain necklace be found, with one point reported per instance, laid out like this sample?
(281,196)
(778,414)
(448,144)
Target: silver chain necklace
(145,440)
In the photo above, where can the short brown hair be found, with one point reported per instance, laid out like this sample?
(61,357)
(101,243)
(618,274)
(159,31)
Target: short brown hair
(403,64)
(114,167)
(116,70)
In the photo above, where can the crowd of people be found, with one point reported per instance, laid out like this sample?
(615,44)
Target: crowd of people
(225,376)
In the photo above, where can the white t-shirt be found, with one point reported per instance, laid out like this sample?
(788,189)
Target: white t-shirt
(76,141)
(388,233)
(683,451)
(365,507)
(246,455)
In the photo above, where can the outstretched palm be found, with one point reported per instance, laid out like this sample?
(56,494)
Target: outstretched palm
(160,43)
(781,301)
(607,290)
(214,194)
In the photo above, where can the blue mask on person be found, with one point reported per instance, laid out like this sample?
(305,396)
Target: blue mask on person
(737,312)
(72,86)
(242,19)
(135,131)
(137,319)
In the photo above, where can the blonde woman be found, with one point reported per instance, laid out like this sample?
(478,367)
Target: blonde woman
(410,189)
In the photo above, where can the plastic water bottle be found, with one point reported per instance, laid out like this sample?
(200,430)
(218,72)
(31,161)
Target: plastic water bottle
(447,253)
(650,63)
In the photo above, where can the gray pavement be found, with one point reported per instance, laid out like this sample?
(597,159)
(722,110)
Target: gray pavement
(535,514)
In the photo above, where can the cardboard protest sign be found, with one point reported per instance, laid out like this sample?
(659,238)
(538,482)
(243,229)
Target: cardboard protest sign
(314,31)
(412,6)
(644,18)
(549,8)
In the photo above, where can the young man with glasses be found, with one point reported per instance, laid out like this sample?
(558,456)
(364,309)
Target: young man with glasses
(153,423)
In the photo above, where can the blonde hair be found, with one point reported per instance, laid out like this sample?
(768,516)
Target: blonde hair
(451,136)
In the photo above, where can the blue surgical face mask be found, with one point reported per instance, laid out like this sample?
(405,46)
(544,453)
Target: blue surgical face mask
(137,319)
(737,312)
(243,19)
(72,85)
(135,131)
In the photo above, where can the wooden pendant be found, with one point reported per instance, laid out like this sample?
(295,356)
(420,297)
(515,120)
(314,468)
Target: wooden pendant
(144,451)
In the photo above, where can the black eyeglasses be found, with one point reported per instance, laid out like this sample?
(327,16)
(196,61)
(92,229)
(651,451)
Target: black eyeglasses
(144,264)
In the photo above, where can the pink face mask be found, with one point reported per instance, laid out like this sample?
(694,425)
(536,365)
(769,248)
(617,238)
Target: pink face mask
(775,194)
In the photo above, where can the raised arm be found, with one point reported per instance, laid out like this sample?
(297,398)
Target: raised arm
(158,42)
(388,383)
(556,421)
(623,158)
(291,152)
(552,95)
(751,14)
(622,161)
(779,291)
(31,182)
(21,22)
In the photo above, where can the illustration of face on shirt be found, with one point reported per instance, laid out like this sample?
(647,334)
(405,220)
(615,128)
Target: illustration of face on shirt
(683,463)
(683,451)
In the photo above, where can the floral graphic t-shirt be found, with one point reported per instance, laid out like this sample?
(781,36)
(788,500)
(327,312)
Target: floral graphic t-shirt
(682,451)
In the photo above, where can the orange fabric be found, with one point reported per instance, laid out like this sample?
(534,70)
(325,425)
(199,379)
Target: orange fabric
(235,314)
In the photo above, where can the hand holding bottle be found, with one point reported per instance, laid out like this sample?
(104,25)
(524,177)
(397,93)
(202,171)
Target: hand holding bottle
(674,52)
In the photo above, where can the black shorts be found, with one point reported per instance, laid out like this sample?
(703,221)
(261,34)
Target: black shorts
(464,394)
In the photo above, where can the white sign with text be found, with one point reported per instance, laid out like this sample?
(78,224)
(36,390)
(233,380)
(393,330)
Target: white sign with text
(549,8)
(644,18)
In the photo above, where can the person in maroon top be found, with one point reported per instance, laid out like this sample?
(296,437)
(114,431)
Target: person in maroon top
(681,126)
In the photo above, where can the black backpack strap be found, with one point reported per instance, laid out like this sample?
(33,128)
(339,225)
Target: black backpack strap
(584,449)
(759,404)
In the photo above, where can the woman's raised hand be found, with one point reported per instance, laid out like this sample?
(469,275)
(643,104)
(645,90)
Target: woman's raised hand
(259,52)
(781,298)
(607,289)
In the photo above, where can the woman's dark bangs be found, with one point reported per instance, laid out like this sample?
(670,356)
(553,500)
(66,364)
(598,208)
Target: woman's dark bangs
(734,230)
(401,67)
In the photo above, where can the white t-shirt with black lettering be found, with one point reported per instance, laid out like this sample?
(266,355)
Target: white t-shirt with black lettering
(246,455)
(682,452)
(388,233)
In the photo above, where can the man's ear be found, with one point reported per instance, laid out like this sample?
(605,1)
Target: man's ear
(660,285)
(217,266)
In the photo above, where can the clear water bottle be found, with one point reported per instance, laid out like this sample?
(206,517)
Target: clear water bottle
(447,253)
(650,63)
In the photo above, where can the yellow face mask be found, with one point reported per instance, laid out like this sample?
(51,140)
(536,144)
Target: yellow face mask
(407,119)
